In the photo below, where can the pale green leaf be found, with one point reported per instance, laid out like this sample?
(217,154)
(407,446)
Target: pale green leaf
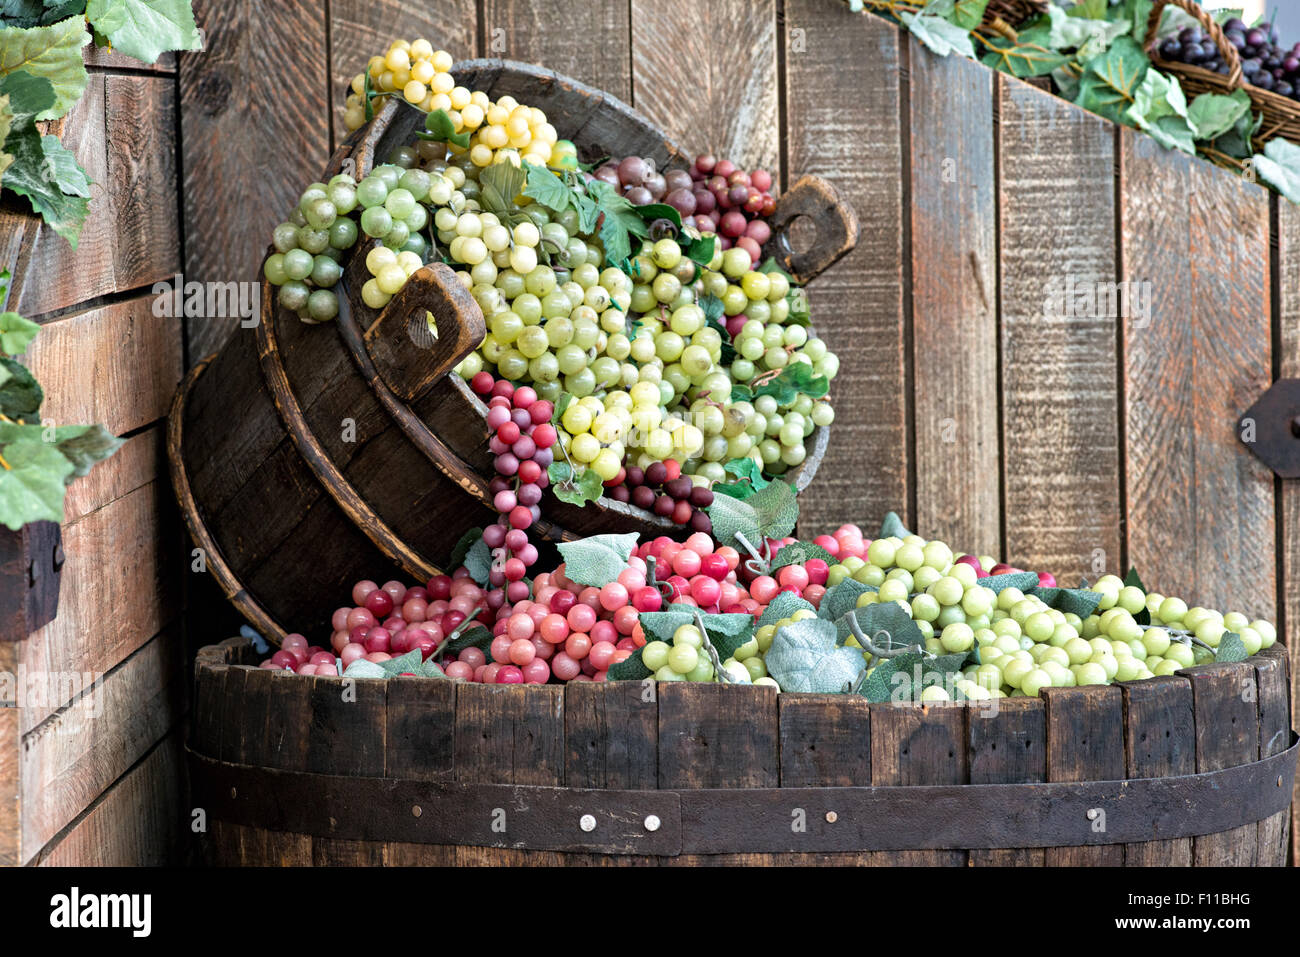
(1110,81)
(146,29)
(53,52)
(16,333)
(804,657)
(938,35)
(1212,114)
(32,481)
(63,167)
(1279,166)
(598,559)
(31,176)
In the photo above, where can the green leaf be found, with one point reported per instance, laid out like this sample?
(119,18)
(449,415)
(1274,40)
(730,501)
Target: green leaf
(776,508)
(1212,114)
(561,405)
(20,394)
(1029,56)
(16,333)
(361,668)
(747,468)
(31,176)
(587,487)
(793,380)
(6,158)
(463,545)
(431,669)
(967,14)
(1133,580)
(1111,80)
(52,52)
(938,34)
(1160,109)
(1072,33)
(474,636)
(26,14)
(1238,142)
(631,668)
(1090,9)
(1279,166)
(478,561)
(499,184)
(546,188)
(728,632)
(29,96)
(889,680)
(700,251)
(409,662)
(1231,648)
(652,211)
(1074,601)
(739,490)
(1000,583)
(741,393)
(893,527)
(146,29)
(622,222)
(885,623)
(438,127)
(64,168)
(32,484)
(804,657)
(84,445)
(841,599)
(800,552)
(782,606)
(731,517)
(599,559)
(660,625)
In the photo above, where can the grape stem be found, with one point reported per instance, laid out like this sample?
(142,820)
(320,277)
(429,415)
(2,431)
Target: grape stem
(760,561)
(875,650)
(721,673)
(455,633)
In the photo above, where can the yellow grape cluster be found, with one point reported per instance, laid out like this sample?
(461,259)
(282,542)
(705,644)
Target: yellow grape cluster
(416,71)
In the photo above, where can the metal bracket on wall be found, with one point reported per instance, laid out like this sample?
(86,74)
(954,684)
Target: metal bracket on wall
(31,561)
(1271,428)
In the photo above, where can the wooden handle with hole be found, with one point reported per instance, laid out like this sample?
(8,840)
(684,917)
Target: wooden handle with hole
(834,225)
(410,357)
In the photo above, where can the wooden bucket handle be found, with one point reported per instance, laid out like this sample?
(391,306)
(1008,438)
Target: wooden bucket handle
(427,328)
(1212,30)
(835,228)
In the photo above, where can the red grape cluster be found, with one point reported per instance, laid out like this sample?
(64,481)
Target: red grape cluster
(661,488)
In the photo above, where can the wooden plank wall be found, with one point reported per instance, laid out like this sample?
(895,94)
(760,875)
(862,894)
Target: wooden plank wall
(89,768)
(968,401)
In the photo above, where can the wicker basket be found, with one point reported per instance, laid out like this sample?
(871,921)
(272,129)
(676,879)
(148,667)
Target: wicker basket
(1013,12)
(1281,113)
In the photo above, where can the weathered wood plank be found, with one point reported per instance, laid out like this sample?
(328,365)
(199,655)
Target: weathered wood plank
(1008,745)
(858,302)
(228,221)
(954,301)
(131,237)
(138,822)
(10,789)
(1225,698)
(1085,742)
(707,74)
(1201,509)
(140,460)
(1060,429)
(420,746)
(584,40)
(1159,741)
(360,29)
(103,58)
(71,758)
(121,585)
(1274,738)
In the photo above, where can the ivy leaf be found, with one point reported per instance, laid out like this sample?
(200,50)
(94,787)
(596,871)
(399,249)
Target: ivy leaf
(1212,114)
(777,509)
(439,128)
(463,545)
(16,333)
(20,394)
(598,559)
(478,562)
(800,552)
(1231,648)
(732,517)
(32,484)
(842,599)
(64,168)
(146,29)
(781,607)
(938,35)
(52,53)
(84,445)
(804,657)
(1279,166)
(893,527)
(747,468)
(1160,109)
(31,176)
(1111,80)
(587,487)
(1000,583)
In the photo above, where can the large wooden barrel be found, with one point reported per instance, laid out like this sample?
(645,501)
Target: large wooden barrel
(308,457)
(1195,768)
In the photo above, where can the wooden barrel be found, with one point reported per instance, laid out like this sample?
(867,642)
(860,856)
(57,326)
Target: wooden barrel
(308,457)
(1195,768)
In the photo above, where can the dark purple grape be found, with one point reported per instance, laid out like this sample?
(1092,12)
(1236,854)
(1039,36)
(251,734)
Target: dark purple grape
(682,200)
(1189,35)
(679,488)
(639,196)
(643,497)
(1250,67)
(1236,38)
(632,171)
(1222,68)
(619,493)
(656,473)
(1256,37)
(1171,49)
(664,505)
(635,477)
(1284,88)
(656,185)
(1213,64)
(1291,64)
(1234,24)
(1263,80)
(677,179)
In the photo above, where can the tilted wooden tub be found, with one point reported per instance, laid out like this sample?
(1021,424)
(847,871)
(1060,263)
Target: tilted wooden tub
(1191,769)
(308,457)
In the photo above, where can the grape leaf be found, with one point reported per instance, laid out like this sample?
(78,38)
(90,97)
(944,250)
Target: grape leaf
(1110,81)
(587,487)
(652,211)
(411,661)
(893,527)
(792,380)
(739,490)
(731,517)
(1212,114)
(1231,648)
(967,14)
(804,657)
(84,445)
(6,125)
(32,479)
(842,599)
(800,552)
(621,222)
(361,668)
(728,632)
(885,623)
(1279,166)
(53,53)
(31,176)
(439,128)
(776,508)
(546,188)
(1238,142)
(881,683)
(1133,580)
(474,636)
(478,561)
(431,669)
(1074,601)
(1025,581)
(64,168)
(16,333)
(1160,109)
(1025,57)
(747,468)
(782,606)
(20,394)
(631,668)
(29,95)
(741,393)
(1067,32)
(701,251)
(463,545)
(598,559)
(561,405)
(26,14)
(938,35)
(145,29)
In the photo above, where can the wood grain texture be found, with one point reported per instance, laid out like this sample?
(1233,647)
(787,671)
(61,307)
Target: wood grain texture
(1060,428)
(71,758)
(954,301)
(10,788)
(1201,511)
(706,73)
(581,39)
(121,586)
(360,29)
(132,236)
(1288,351)
(1085,742)
(858,303)
(104,58)
(1274,737)
(919,745)
(118,366)
(420,746)
(1159,741)
(140,460)
(252,136)
(825,741)
(1008,745)
(1225,700)
(139,821)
